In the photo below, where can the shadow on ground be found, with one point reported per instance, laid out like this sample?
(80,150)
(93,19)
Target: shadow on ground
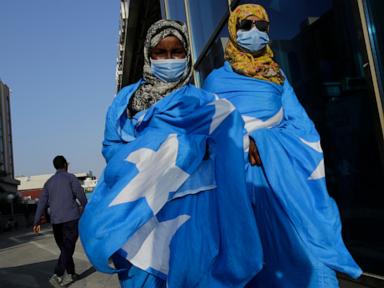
(27,276)
(33,275)
(83,275)
(22,236)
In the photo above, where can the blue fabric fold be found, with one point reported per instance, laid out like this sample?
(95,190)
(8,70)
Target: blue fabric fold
(299,223)
(199,223)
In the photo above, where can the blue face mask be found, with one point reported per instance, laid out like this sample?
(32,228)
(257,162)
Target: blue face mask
(252,40)
(168,70)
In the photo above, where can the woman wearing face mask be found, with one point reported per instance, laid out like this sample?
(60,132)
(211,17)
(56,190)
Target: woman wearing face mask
(298,222)
(164,210)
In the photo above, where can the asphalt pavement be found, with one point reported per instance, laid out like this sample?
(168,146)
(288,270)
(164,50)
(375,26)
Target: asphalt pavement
(27,260)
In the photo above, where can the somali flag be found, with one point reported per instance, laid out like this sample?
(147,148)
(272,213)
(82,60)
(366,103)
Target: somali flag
(299,223)
(172,200)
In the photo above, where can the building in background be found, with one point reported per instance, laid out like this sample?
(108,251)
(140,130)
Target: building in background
(135,18)
(31,187)
(8,184)
(332,52)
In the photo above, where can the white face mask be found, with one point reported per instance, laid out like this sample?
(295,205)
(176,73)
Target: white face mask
(252,40)
(169,70)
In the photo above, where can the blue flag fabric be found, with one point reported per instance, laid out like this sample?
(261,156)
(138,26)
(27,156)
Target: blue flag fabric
(164,206)
(299,223)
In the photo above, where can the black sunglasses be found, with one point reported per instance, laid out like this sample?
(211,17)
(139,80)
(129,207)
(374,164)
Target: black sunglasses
(247,25)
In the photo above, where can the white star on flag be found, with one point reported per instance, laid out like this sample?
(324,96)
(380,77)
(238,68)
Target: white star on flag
(314,145)
(149,247)
(319,172)
(158,175)
(222,109)
(252,123)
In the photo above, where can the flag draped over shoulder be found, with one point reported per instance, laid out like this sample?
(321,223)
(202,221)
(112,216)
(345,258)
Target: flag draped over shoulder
(298,221)
(172,199)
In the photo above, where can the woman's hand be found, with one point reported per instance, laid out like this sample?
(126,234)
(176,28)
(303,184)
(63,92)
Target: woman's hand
(253,155)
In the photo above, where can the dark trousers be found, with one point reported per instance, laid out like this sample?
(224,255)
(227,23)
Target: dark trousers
(66,235)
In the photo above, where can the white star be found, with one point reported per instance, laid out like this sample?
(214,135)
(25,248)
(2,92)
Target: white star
(222,109)
(252,123)
(314,145)
(158,175)
(319,172)
(149,246)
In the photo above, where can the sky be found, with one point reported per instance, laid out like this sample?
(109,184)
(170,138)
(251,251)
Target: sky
(59,59)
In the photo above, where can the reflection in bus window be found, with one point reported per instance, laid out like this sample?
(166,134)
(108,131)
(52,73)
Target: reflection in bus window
(176,10)
(204,18)
(375,19)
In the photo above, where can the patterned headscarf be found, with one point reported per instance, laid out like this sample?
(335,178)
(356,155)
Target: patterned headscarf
(260,66)
(153,89)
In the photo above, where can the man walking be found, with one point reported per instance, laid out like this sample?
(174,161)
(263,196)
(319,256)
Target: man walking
(63,193)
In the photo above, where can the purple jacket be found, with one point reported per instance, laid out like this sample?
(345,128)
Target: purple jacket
(60,193)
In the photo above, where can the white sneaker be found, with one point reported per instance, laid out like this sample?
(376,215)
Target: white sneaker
(56,281)
(69,278)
